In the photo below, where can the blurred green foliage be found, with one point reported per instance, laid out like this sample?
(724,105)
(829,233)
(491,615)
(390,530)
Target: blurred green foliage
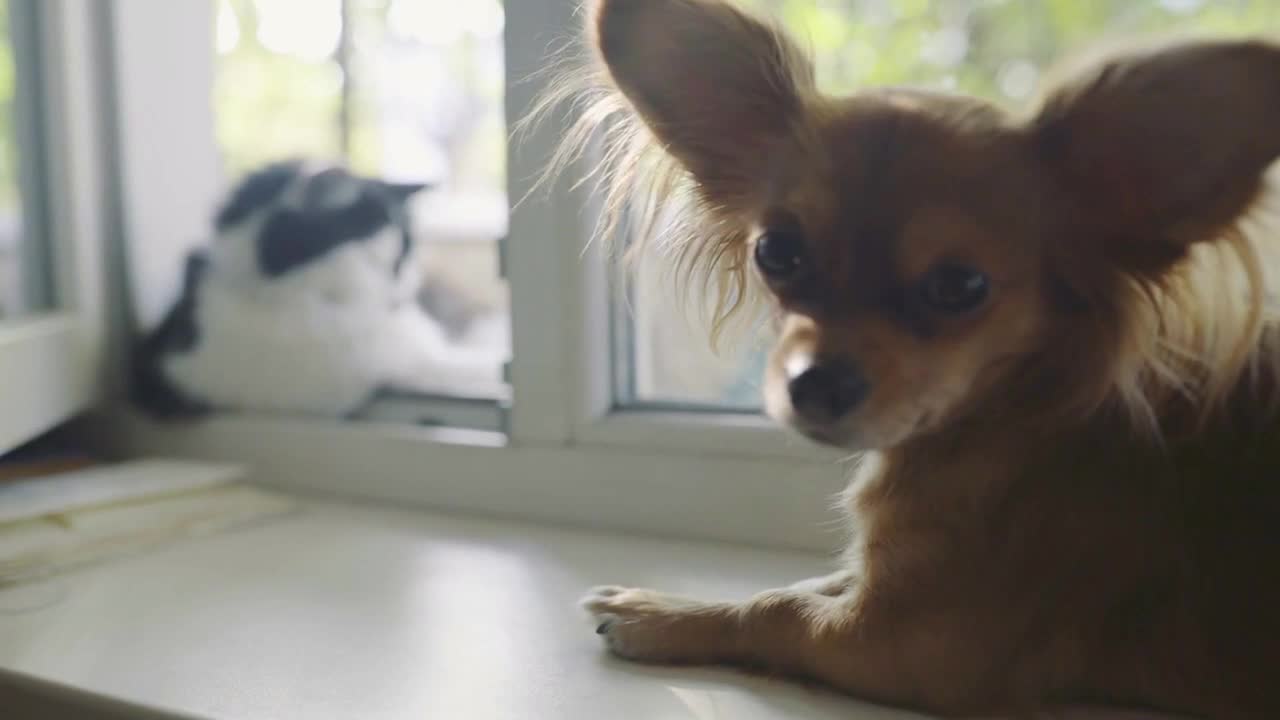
(8,137)
(998,49)
(271,104)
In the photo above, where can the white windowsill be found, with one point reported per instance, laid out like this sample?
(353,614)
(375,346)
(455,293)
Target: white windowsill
(351,612)
(716,494)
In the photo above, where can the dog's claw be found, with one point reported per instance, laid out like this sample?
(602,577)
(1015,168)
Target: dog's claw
(639,624)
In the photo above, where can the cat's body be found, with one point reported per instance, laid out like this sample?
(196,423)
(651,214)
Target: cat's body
(307,301)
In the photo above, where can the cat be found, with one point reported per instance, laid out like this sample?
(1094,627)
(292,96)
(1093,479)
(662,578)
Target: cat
(306,301)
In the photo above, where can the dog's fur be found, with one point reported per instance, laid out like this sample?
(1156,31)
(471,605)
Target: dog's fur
(1071,493)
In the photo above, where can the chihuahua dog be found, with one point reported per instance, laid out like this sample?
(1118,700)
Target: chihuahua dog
(1052,336)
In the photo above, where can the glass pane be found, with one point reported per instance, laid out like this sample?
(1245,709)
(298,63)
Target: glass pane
(674,364)
(25,281)
(279,89)
(400,93)
(998,49)
(426,105)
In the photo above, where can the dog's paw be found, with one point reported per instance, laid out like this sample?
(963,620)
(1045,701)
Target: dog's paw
(646,625)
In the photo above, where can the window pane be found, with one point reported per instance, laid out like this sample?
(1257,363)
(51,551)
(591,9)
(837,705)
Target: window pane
(399,92)
(998,49)
(25,279)
(279,89)
(427,91)
(674,364)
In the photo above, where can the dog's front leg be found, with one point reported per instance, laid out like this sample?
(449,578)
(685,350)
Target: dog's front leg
(835,638)
(649,626)
(837,583)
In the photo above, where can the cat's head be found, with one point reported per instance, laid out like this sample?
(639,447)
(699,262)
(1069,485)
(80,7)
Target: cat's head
(291,215)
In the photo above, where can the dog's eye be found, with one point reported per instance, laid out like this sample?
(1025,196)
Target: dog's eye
(954,288)
(780,254)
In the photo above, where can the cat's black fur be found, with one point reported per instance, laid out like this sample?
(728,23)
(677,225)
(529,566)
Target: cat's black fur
(256,191)
(294,237)
(176,333)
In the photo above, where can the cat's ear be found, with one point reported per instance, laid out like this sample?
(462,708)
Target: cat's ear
(402,192)
(256,191)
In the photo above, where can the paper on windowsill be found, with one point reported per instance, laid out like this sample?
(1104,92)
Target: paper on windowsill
(107,485)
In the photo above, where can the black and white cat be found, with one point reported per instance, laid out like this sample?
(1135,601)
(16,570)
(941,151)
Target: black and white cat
(306,301)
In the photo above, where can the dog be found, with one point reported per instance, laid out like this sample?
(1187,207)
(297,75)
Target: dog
(1052,337)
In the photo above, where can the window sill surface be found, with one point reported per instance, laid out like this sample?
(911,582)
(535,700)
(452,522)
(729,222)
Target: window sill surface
(342,611)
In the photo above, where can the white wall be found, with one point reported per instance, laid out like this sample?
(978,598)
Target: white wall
(165,113)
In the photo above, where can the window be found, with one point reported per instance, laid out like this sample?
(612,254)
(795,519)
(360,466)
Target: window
(998,49)
(667,360)
(414,90)
(619,412)
(402,91)
(51,227)
(25,280)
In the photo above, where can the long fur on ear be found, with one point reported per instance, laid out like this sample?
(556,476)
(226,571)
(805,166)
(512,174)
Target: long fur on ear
(723,92)
(688,100)
(1165,151)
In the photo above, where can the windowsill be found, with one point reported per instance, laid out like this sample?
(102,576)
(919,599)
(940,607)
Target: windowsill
(714,493)
(343,612)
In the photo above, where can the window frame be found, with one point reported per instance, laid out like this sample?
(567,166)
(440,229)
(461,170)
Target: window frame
(570,454)
(52,361)
(563,296)
(599,419)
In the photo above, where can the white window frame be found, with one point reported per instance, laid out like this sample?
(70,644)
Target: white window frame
(561,294)
(52,362)
(569,454)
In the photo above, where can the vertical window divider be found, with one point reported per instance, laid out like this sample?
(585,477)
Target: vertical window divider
(343,56)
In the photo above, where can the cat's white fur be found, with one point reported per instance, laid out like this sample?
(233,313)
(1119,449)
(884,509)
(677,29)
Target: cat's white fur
(324,337)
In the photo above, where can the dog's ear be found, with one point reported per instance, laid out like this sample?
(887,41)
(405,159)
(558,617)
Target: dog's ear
(1168,146)
(720,90)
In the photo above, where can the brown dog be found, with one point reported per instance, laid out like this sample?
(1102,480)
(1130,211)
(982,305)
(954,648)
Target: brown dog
(1054,337)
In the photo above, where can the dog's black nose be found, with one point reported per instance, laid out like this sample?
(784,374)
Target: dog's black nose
(827,391)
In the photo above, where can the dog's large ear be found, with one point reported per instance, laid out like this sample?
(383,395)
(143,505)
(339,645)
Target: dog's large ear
(1167,146)
(720,90)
